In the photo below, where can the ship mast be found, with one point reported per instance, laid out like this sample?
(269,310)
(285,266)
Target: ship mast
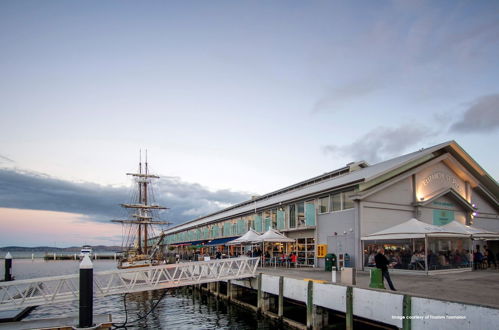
(143,216)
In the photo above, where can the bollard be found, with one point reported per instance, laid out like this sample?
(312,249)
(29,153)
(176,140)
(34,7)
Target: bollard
(376,279)
(8,267)
(54,256)
(86,292)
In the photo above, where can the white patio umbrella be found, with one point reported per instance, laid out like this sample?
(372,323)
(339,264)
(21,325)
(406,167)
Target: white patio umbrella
(272,235)
(248,238)
(475,232)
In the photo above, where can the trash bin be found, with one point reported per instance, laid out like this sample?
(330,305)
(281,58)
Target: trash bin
(347,260)
(376,279)
(330,261)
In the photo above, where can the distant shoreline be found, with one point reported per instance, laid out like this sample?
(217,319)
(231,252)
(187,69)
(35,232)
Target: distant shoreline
(51,249)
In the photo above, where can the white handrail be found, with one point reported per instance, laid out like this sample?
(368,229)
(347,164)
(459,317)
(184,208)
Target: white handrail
(49,290)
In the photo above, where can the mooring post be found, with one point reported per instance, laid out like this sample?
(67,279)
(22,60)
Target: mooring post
(86,292)
(349,308)
(259,299)
(229,289)
(406,312)
(280,308)
(8,267)
(217,289)
(310,304)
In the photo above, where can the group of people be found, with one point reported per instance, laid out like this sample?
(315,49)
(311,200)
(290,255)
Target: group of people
(407,259)
(281,259)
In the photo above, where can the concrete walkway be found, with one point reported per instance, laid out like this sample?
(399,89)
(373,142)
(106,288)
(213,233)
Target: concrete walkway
(473,287)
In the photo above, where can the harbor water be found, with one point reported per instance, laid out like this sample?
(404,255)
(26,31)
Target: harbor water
(179,308)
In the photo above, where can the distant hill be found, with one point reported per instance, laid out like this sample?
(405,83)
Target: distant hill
(101,248)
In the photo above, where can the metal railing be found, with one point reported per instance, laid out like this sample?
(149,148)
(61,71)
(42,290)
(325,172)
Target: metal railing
(57,289)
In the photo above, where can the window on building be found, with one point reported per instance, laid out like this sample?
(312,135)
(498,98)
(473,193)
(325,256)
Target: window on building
(310,213)
(258,223)
(336,202)
(292,216)
(300,212)
(281,219)
(306,251)
(347,202)
(250,222)
(273,217)
(324,204)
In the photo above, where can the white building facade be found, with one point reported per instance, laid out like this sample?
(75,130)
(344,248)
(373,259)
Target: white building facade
(435,185)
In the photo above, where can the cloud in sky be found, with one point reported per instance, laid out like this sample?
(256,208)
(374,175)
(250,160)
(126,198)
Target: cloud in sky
(35,191)
(4,159)
(419,52)
(381,143)
(482,116)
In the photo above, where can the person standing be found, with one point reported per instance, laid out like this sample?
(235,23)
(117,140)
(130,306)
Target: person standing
(491,259)
(382,263)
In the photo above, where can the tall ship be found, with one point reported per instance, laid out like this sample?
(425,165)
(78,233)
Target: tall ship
(141,244)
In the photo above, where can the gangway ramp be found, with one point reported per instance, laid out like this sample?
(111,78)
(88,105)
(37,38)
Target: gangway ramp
(57,289)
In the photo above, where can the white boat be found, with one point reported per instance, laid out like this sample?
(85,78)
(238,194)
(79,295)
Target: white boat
(143,212)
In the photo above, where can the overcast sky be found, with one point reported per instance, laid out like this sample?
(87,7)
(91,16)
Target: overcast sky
(231,98)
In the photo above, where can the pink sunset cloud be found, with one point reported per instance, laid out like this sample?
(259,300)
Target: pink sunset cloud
(35,228)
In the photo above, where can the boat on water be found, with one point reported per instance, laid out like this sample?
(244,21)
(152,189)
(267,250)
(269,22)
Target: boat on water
(139,249)
(86,250)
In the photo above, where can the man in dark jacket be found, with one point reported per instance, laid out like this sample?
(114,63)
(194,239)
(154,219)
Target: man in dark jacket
(382,263)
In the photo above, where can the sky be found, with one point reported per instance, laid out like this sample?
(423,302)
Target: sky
(230,98)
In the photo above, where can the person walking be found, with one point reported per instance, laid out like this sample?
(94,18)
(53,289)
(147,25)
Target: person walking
(382,263)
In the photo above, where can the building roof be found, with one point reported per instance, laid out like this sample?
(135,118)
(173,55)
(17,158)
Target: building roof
(351,174)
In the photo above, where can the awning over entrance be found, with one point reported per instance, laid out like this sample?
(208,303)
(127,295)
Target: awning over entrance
(190,243)
(413,228)
(220,241)
(475,232)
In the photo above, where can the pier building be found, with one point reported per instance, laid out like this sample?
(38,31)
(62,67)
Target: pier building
(330,213)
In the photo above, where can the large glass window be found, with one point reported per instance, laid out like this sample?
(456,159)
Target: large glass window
(324,204)
(336,202)
(258,223)
(300,212)
(273,217)
(227,229)
(292,216)
(250,222)
(281,219)
(310,213)
(442,253)
(347,202)
(306,251)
